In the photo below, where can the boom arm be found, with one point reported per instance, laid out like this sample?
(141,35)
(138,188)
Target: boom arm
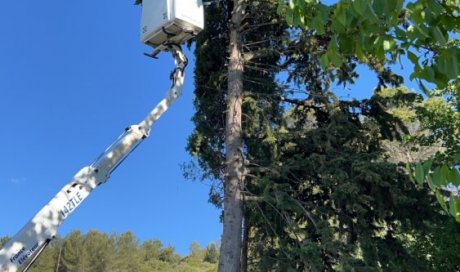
(29,242)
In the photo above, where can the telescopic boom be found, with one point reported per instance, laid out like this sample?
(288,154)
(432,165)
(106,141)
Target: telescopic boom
(31,240)
(165,24)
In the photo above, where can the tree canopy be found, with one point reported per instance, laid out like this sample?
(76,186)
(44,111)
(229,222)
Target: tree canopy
(423,31)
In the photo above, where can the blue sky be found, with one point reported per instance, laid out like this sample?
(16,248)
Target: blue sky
(72,77)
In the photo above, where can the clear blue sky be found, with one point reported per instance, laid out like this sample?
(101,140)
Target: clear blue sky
(72,77)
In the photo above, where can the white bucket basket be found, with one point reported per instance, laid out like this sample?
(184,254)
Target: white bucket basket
(170,21)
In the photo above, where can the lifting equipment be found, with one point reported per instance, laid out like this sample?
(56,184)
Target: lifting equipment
(166,34)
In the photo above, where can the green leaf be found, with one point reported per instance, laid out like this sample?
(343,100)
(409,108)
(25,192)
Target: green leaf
(290,17)
(440,80)
(441,201)
(445,171)
(437,177)
(371,15)
(455,177)
(454,208)
(379,6)
(451,176)
(400,34)
(379,48)
(359,52)
(281,7)
(391,6)
(360,7)
(346,45)
(428,74)
(448,63)
(318,24)
(439,36)
(335,58)
(297,17)
(419,174)
(413,75)
(435,8)
(324,61)
(342,17)
(432,186)
(457,209)
(300,4)
(333,44)
(412,57)
(421,31)
(427,166)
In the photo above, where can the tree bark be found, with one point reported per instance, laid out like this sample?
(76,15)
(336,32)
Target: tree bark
(58,263)
(230,252)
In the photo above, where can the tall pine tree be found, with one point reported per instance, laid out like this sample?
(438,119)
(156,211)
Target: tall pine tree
(240,40)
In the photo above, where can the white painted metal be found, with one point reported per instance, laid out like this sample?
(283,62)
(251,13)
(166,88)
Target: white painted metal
(170,21)
(44,225)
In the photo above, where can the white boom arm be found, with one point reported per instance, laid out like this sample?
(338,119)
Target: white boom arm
(28,243)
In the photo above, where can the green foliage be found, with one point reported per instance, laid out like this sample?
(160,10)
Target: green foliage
(424,31)
(3,241)
(125,256)
(444,180)
(263,37)
(330,202)
(47,260)
(211,254)
(323,193)
(195,252)
(98,252)
(72,252)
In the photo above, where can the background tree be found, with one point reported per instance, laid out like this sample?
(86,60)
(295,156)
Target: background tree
(167,255)
(48,259)
(126,256)
(330,201)
(150,255)
(425,32)
(211,254)
(96,251)
(3,240)
(195,252)
(100,252)
(72,252)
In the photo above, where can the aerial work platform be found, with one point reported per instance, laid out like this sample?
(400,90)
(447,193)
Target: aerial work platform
(170,21)
(165,25)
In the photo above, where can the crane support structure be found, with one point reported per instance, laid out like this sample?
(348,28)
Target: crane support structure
(23,249)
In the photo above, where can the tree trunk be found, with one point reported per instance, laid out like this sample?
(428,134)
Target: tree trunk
(230,251)
(58,263)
